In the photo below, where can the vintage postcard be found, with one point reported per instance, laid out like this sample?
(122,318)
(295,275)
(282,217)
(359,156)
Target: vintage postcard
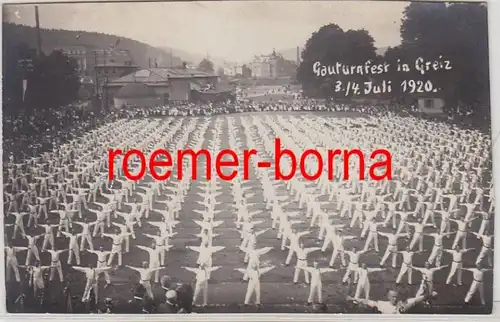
(247,157)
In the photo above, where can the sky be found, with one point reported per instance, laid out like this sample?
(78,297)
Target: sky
(232,30)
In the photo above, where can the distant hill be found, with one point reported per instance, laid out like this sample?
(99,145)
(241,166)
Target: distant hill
(194,59)
(52,38)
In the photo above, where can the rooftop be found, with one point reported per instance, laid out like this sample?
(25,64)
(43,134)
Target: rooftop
(117,64)
(70,47)
(265,58)
(160,75)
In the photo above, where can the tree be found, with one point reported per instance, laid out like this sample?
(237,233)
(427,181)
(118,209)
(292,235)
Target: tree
(285,68)
(329,45)
(51,81)
(459,33)
(246,71)
(18,60)
(394,56)
(422,23)
(206,66)
(54,82)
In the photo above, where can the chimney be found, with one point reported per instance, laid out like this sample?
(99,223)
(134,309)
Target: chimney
(38,32)
(298,56)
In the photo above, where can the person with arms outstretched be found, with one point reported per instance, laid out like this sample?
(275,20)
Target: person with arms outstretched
(316,288)
(406,266)
(486,249)
(427,277)
(477,283)
(116,249)
(254,274)
(102,262)
(91,275)
(11,260)
(302,253)
(146,273)
(457,263)
(202,277)
(393,306)
(392,247)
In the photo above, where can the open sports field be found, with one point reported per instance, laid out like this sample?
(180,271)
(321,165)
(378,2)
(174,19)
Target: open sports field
(279,294)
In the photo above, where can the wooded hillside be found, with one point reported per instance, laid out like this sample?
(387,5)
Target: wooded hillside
(14,34)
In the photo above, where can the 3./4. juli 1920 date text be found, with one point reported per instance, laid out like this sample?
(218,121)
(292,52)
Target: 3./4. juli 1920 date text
(350,88)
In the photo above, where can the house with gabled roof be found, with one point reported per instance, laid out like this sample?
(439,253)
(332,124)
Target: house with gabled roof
(167,84)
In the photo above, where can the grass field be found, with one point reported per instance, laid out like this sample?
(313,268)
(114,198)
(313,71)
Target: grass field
(279,294)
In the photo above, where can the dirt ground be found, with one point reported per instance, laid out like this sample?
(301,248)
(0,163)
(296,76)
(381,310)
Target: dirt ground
(279,294)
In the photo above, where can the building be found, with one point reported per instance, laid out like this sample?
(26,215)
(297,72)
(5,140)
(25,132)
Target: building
(79,53)
(97,66)
(111,55)
(168,84)
(229,71)
(239,70)
(264,66)
(136,94)
(274,66)
(431,105)
(110,71)
(88,57)
(233,70)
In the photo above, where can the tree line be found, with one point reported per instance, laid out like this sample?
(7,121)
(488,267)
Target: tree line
(454,32)
(33,81)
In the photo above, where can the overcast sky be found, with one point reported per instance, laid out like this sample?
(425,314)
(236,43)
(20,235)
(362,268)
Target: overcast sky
(230,30)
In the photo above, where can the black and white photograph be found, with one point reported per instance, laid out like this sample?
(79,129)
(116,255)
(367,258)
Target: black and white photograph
(247,157)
